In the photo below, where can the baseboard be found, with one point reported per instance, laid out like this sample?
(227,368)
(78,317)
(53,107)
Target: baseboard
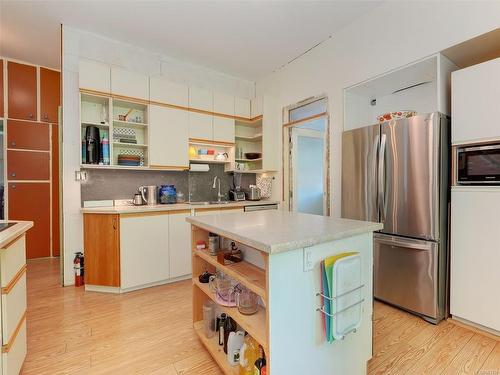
(478,328)
(117,290)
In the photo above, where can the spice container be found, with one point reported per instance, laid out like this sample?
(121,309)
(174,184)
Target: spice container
(213,243)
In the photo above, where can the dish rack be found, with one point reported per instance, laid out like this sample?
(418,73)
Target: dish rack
(342,295)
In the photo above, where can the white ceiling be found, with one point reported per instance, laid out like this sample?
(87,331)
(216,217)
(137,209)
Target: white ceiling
(248,39)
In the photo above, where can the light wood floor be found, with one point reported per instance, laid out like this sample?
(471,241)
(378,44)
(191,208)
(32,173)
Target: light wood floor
(149,332)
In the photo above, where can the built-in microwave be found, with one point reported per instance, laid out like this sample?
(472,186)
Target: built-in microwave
(478,165)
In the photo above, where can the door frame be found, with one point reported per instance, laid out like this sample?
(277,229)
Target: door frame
(286,152)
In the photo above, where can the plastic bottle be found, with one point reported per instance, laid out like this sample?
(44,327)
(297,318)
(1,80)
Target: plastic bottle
(249,353)
(234,343)
(260,362)
(105,149)
(229,326)
(222,323)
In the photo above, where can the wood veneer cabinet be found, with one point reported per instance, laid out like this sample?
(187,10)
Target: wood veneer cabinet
(49,95)
(26,165)
(102,249)
(30,201)
(22,91)
(28,135)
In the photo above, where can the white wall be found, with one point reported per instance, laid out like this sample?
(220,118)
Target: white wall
(367,48)
(79,44)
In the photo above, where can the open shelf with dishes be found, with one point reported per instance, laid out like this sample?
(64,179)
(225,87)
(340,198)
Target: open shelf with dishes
(212,152)
(243,275)
(248,148)
(119,128)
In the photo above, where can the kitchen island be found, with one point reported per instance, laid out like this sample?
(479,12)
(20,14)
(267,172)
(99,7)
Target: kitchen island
(13,284)
(282,254)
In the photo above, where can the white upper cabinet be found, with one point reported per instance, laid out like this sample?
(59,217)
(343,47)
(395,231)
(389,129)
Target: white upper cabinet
(168,139)
(475,103)
(201,99)
(163,91)
(256,106)
(126,83)
(200,126)
(94,76)
(223,129)
(223,104)
(242,107)
(179,244)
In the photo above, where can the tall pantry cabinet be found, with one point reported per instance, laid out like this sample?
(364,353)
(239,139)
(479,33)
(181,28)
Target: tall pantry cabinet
(31,110)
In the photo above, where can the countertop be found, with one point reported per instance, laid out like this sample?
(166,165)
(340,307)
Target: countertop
(278,231)
(170,207)
(14,231)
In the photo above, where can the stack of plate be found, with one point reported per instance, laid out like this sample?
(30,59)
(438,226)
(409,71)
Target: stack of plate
(129,160)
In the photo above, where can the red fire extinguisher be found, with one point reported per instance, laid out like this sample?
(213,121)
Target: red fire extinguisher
(79,269)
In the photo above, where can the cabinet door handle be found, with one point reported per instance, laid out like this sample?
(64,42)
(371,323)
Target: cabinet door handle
(30,115)
(13,174)
(13,143)
(114,224)
(14,186)
(46,117)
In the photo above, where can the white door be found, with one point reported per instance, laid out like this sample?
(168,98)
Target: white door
(179,243)
(308,171)
(144,251)
(168,139)
(475,255)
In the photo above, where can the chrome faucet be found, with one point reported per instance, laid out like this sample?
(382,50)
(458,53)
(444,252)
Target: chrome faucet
(219,195)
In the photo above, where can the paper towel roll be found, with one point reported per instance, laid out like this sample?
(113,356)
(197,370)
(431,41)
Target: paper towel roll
(199,168)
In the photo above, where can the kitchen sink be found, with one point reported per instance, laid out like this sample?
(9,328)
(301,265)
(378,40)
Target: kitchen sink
(206,203)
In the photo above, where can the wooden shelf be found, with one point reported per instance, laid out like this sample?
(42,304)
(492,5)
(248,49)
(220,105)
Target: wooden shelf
(129,124)
(254,278)
(255,138)
(212,161)
(96,124)
(97,166)
(253,171)
(129,145)
(217,351)
(247,160)
(254,324)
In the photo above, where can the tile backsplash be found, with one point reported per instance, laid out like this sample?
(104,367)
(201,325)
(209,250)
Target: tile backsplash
(123,184)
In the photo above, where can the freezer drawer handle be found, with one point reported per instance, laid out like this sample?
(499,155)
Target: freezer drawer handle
(407,245)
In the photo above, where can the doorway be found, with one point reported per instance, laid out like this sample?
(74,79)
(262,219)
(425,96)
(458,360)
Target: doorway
(306,161)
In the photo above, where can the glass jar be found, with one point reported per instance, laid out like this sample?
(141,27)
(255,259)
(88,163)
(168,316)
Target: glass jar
(168,194)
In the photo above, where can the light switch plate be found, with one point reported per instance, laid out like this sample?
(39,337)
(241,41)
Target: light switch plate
(308,262)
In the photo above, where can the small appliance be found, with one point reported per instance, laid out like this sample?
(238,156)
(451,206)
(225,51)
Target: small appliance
(92,145)
(236,194)
(137,201)
(479,165)
(252,193)
(149,194)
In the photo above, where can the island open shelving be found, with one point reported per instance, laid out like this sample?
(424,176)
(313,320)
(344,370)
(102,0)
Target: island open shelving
(249,275)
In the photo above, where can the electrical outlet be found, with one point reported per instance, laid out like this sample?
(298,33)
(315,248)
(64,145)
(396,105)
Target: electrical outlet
(308,262)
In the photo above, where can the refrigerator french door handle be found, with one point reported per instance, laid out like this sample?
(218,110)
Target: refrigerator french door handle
(381,178)
(406,244)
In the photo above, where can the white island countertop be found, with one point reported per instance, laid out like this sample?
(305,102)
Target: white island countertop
(279,231)
(14,231)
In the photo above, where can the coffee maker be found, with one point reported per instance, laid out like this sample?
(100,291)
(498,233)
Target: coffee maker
(92,145)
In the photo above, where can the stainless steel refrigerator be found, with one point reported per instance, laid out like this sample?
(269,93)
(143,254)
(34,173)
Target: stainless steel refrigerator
(397,173)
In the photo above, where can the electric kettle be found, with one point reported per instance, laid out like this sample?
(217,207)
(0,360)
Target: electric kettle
(149,194)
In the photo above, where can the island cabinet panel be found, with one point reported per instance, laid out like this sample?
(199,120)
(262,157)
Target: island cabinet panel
(25,165)
(30,201)
(50,94)
(179,236)
(169,137)
(102,249)
(22,91)
(28,135)
(144,255)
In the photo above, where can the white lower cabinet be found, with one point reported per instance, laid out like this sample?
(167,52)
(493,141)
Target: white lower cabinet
(475,255)
(144,249)
(223,129)
(179,236)
(200,126)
